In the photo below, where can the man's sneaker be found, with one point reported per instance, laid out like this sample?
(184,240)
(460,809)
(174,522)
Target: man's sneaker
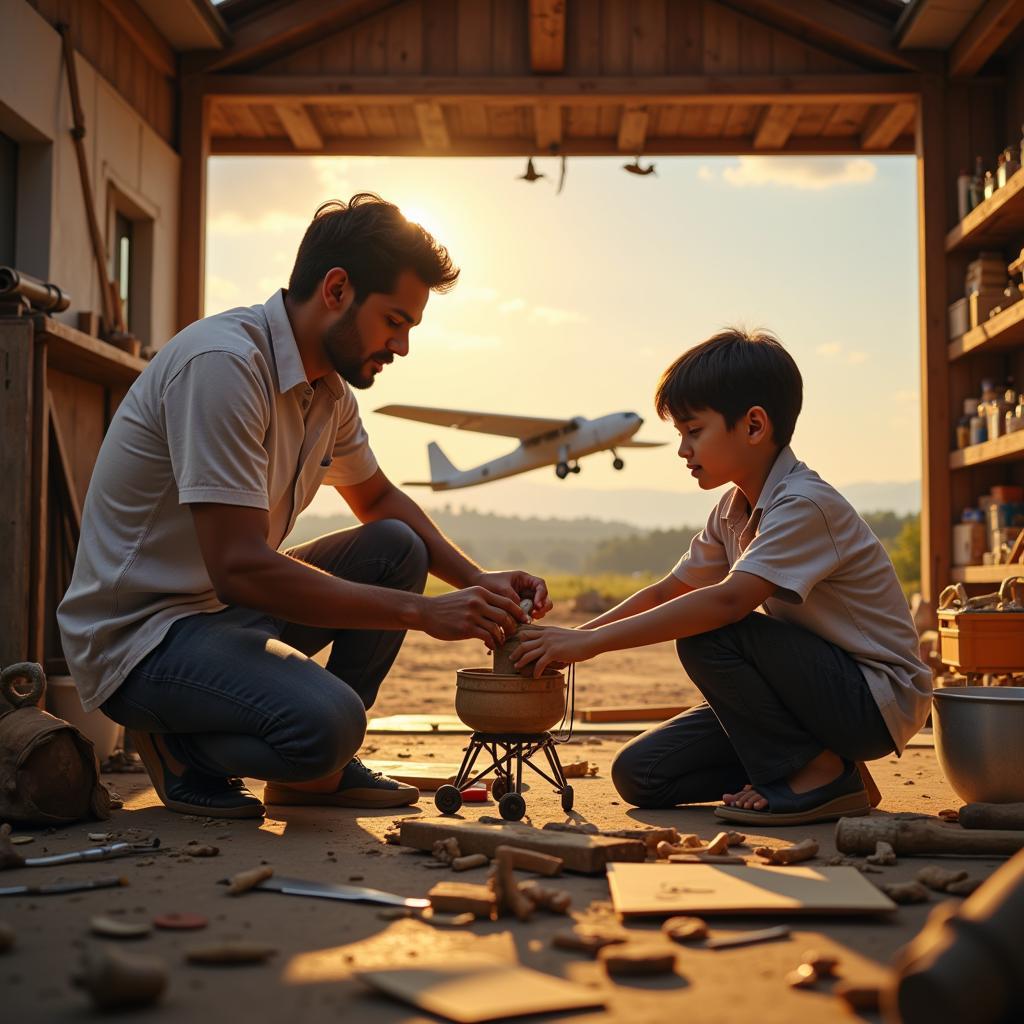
(189,791)
(358,787)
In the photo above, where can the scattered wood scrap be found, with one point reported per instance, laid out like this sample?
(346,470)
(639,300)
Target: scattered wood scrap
(463,898)
(632,713)
(243,881)
(806,849)
(631,960)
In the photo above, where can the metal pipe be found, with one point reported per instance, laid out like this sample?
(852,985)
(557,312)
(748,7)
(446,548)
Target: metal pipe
(49,298)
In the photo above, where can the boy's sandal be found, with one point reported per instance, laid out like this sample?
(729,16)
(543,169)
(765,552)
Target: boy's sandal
(844,797)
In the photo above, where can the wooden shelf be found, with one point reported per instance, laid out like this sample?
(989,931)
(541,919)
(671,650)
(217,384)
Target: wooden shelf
(1004,330)
(84,356)
(985,573)
(996,221)
(1008,448)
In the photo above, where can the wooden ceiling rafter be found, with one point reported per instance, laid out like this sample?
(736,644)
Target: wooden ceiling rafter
(776,125)
(838,30)
(547,127)
(886,124)
(299,125)
(633,129)
(547,36)
(983,36)
(275,30)
(432,125)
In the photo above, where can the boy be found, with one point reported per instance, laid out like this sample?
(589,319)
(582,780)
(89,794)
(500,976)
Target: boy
(827,677)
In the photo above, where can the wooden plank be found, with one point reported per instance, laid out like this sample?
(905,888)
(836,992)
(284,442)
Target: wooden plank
(473,37)
(40,476)
(633,130)
(998,220)
(983,573)
(886,124)
(634,713)
(195,149)
(65,465)
(580,138)
(512,90)
(933,179)
(433,129)
(16,418)
(405,39)
(648,51)
(775,126)
(426,775)
(1002,331)
(685,30)
(510,42)
(583,39)
(299,126)
(439,22)
(547,36)
(985,33)
(1008,448)
(835,27)
(76,353)
(721,41)
(547,126)
(587,855)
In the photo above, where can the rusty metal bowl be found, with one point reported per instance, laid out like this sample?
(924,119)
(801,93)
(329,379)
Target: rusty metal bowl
(979,741)
(497,703)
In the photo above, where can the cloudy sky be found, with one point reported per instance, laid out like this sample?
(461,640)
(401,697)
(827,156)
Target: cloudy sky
(573,304)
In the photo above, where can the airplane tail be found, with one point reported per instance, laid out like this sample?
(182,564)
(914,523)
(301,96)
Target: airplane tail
(441,468)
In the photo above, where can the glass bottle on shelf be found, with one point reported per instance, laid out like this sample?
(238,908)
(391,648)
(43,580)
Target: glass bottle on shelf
(990,185)
(976,190)
(1011,165)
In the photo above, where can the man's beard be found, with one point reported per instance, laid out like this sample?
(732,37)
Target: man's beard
(344,349)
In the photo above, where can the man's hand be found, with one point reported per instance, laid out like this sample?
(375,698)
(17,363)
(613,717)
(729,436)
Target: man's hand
(554,647)
(516,585)
(472,614)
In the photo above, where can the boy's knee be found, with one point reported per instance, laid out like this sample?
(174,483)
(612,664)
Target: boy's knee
(701,647)
(405,551)
(629,773)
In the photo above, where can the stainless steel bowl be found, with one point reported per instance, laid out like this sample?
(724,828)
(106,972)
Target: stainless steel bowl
(979,740)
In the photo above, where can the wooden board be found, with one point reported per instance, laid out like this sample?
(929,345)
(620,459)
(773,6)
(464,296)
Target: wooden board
(663,889)
(645,714)
(468,993)
(425,775)
(585,854)
(451,725)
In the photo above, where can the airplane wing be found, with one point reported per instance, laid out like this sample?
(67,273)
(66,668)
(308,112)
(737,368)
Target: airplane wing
(520,427)
(641,444)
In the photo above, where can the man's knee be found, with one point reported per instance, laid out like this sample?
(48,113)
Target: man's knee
(404,550)
(630,774)
(331,738)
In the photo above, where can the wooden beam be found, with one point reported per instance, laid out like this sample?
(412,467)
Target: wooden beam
(817,145)
(144,35)
(776,126)
(984,34)
(433,130)
(633,130)
(932,184)
(278,29)
(705,90)
(841,30)
(547,126)
(299,125)
(547,35)
(195,148)
(886,124)
(40,531)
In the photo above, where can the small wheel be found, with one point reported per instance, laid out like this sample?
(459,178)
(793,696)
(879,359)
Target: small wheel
(617,463)
(448,800)
(562,470)
(576,468)
(512,807)
(567,795)
(500,786)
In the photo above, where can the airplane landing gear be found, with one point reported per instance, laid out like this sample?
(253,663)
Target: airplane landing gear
(617,463)
(575,468)
(562,470)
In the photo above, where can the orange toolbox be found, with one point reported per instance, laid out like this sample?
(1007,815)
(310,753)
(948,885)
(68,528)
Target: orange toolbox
(984,639)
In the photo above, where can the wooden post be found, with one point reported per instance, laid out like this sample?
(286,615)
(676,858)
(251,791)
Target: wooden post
(16,417)
(932,183)
(194,134)
(40,521)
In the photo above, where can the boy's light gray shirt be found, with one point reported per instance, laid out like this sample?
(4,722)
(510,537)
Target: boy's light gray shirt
(833,576)
(224,413)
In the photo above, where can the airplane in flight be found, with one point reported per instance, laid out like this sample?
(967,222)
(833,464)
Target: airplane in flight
(542,442)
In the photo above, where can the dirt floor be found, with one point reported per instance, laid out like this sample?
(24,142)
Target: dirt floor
(320,943)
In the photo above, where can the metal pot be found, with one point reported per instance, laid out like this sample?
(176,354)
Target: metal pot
(979,740)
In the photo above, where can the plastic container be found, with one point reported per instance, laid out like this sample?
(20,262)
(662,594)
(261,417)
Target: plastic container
(62,701)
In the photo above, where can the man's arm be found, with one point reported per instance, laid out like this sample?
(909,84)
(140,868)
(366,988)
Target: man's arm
(245,570)
(671,586)
(378,498)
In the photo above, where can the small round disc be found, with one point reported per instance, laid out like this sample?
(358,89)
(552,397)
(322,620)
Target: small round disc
(180,922)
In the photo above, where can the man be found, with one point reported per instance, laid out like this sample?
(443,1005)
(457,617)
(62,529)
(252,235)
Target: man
(184,622)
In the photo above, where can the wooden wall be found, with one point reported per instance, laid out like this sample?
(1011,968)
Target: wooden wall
(134,59)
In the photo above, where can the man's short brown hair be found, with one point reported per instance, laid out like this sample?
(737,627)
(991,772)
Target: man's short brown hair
(373,242)
(730,373)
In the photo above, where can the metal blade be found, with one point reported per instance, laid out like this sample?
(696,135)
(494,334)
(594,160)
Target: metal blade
(332,891)
(63,887)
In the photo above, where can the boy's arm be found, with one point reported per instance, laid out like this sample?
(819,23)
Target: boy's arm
(697,612)
(643,600)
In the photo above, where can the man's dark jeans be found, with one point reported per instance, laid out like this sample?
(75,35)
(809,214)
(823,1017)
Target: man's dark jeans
(775,696)
(239,691)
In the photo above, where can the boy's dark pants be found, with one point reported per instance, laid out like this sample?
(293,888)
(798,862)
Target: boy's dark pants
(776,697)
(238,690)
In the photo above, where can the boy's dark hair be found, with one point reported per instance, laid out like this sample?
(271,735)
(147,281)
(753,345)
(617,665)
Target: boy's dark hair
(730,373)
(371,239)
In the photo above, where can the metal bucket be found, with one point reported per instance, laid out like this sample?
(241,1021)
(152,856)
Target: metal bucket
(979,741)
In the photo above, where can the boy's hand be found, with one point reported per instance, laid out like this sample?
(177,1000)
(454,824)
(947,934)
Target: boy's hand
(554,647)
(516,585)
